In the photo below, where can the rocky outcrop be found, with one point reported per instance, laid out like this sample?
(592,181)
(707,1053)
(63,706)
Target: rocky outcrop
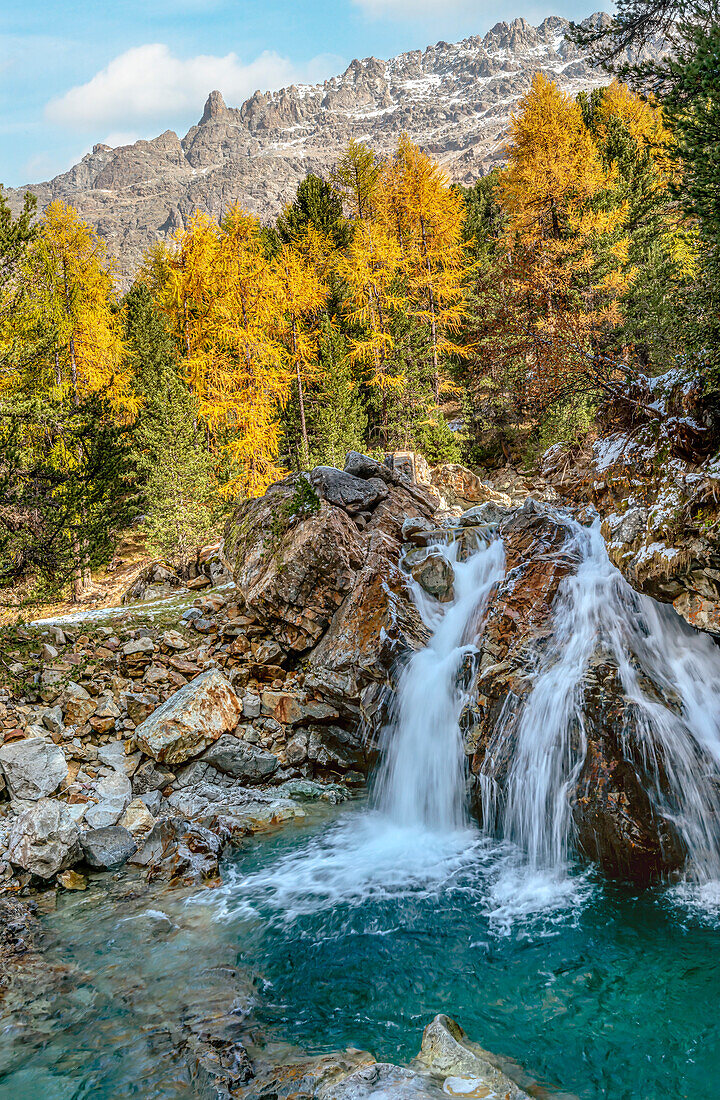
(455,100)
(176,733)
(318,568)
(655,481)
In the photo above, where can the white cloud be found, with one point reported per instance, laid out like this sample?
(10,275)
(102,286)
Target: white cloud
(147,83)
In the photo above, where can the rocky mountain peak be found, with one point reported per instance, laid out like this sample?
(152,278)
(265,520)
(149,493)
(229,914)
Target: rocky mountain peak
(453,99)
(214,106)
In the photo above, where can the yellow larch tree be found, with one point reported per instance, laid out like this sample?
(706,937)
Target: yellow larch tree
(418,206)
(73,281)
(68,316)
(566,243)
(223,298)
(302,293)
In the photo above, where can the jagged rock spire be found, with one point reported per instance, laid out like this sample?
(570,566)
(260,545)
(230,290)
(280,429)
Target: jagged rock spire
(214,106)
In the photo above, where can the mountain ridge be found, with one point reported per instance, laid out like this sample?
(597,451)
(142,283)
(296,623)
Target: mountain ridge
(454,99)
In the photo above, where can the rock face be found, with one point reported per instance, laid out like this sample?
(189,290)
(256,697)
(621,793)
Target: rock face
(294,569)
(190,720)
(455,100)
(33,768)
(324,577)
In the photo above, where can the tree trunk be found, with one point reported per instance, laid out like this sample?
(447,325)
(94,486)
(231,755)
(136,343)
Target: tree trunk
(78,586)
(301,399)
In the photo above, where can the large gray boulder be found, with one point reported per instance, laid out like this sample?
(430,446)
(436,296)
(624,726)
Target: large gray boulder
(353,494)
(293,571)
(365,467)
(190,720)
(33,768)
(108,847)
(240,759)
(45,839)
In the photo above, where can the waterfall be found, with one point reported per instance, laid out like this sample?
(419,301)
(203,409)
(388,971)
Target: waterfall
(670,676)
(422,778)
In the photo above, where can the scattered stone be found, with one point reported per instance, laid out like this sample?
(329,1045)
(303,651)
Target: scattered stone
(77,704)
(138,646)
(108,847)
(173,639)
(114,795)
(137,818)
(241,760)
(33,768)
(190,720)
(149,777)
(45,838)
(140,705)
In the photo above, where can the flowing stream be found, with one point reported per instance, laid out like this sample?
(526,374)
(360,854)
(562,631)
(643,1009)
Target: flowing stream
(356,928)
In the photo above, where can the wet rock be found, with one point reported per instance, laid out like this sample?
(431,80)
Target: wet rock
(72,880)
(435,575)
(468,1070)
(33,768)
(190,720)
(418,530)
(615,822)
(45,839)
(107,848)
(241,760)
(376,625)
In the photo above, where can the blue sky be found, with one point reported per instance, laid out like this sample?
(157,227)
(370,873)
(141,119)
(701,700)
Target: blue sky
(74,73)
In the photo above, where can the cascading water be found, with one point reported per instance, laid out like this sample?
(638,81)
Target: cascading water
(416,835)
(670,676)
(422,779)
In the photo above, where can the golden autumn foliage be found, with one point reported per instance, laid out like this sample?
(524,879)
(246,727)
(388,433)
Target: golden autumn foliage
(416,204)
(71,316)
(565,242)
(222,297)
